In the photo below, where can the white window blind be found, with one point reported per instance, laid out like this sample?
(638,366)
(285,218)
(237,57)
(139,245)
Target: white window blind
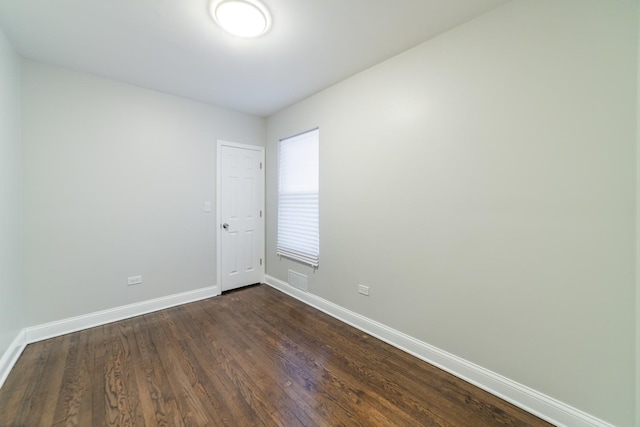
(298,202)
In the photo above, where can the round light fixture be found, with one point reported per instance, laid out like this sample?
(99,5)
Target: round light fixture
(242,18)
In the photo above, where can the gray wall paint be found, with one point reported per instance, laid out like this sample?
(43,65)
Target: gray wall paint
(483,186)
(638,232)
(11,295)
(115,181)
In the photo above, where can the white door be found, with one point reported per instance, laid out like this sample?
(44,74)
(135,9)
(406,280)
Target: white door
(240,215)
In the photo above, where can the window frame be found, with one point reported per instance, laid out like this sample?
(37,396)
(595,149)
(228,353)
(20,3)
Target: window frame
(303,244)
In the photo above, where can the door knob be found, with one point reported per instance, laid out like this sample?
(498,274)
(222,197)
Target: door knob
(225,226)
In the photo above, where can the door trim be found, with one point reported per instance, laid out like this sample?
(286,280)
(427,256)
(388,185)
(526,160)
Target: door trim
(222,143)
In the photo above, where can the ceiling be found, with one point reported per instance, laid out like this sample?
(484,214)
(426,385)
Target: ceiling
(173,46)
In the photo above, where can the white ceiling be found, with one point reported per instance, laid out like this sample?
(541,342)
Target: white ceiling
(173,46)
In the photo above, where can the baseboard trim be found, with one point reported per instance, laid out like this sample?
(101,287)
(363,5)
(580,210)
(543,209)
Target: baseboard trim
(532,401)
(73,324)
(61,327)
(11,355)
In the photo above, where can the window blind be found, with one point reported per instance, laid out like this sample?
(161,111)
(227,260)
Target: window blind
(298,201)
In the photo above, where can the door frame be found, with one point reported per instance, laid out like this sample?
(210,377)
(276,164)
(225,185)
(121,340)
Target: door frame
(222,143)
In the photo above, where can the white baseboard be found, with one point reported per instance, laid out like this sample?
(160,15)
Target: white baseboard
(73,324)
(530,400)
(11,355)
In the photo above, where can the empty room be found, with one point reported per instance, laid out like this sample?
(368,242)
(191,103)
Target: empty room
(319,213)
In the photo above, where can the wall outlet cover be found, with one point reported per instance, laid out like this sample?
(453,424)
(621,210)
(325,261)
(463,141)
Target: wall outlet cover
(134,280)
(364,290)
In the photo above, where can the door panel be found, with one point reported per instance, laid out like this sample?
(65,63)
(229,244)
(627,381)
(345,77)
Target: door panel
(241,222)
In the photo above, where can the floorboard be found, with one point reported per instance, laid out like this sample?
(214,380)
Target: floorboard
(250,357)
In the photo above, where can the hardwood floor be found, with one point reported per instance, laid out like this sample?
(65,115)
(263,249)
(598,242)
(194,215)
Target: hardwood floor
(249,357)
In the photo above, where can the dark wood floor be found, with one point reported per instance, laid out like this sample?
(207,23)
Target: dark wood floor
(250,357)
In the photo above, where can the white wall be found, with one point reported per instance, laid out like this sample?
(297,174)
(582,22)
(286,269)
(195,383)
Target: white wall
(11,302)
(115,180)
(483,186)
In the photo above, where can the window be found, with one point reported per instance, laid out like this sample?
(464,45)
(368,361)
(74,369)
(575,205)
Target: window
(298,202)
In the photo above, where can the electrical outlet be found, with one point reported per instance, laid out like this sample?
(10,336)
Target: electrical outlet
(364,290)
(134,280)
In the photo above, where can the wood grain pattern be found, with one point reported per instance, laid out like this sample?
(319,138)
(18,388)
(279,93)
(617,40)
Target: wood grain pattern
(250,357)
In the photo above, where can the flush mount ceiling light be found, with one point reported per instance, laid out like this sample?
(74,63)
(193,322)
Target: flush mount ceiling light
(242,18)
